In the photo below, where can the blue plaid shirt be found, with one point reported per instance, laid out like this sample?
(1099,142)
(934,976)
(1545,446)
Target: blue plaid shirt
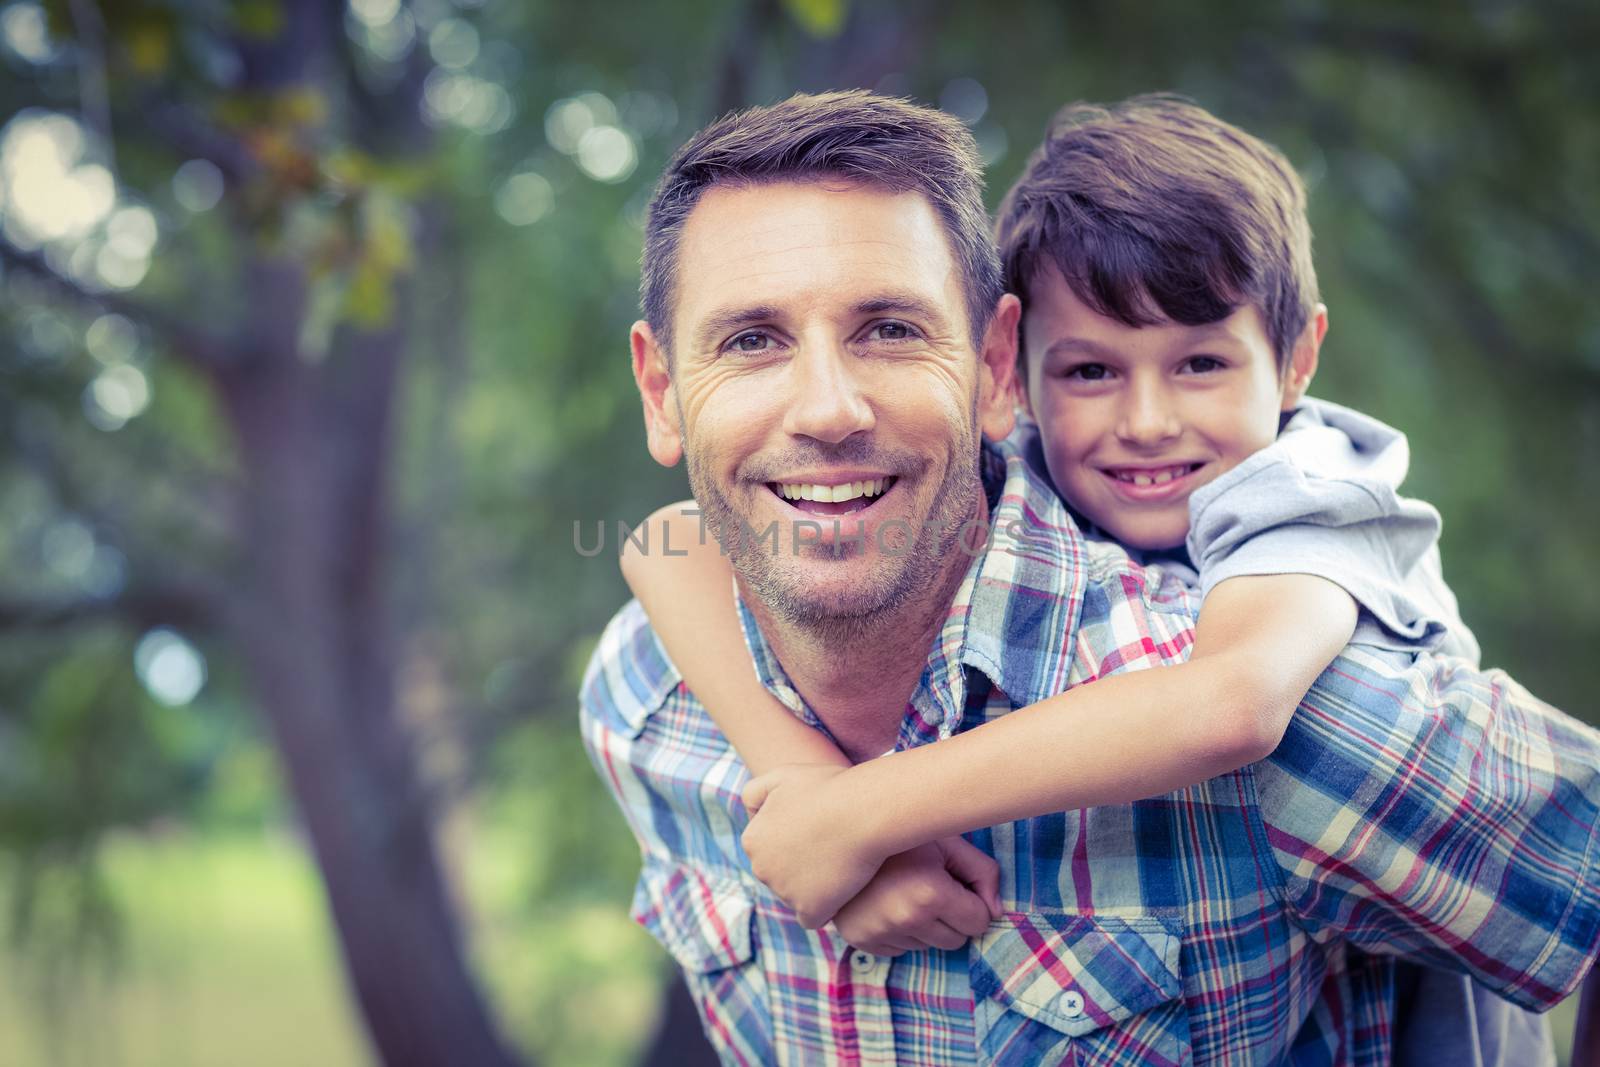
(1415,808)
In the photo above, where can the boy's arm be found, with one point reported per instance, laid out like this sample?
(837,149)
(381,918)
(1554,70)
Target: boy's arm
(1259,645)
(934,897)
(690,606)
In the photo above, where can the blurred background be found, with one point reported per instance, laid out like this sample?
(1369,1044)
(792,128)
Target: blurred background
(313,351)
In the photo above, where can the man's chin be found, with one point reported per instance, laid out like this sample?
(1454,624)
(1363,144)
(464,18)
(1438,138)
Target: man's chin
(803,597)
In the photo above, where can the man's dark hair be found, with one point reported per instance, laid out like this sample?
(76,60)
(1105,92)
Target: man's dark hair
(856,136)
(1155,210)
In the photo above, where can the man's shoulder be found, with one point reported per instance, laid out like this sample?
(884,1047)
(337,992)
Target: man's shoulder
(629,675)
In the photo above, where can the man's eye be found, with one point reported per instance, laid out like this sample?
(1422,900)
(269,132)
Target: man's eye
(750,341)
(890,331)
(1203,364)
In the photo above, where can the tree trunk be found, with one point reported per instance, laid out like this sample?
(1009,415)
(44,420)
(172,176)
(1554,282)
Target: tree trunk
(314,440)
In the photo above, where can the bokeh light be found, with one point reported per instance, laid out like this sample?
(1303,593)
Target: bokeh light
(50,193)
(464,100)
(375,12)
(112,339)
(966,99)
(171,669)
(118,393)
(26,32)
(569,119)
(524,199)
(607,154)
(197,185)
(453,43)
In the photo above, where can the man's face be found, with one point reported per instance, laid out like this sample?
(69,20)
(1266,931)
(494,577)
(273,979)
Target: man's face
(1135,419)
(823,372)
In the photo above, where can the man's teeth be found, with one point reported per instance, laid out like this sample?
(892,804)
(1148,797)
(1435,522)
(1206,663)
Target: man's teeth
(1161,477)
(835,494)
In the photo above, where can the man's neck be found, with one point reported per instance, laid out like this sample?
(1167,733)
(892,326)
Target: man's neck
(858,678)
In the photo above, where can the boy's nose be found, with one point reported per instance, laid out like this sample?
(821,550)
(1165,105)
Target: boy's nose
(1148,418)
(827,402)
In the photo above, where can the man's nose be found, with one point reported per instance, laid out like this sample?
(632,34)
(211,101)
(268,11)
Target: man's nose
(827,401)
(1149,416)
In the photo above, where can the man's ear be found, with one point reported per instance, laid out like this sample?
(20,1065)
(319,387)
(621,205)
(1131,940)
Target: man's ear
(1303,359)
(997,370)
(654,379)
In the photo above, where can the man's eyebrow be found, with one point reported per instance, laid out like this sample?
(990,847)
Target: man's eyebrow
(902,303)
(723,320)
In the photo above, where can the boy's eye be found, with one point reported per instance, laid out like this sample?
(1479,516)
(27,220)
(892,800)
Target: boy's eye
(1088,372)
(1203,364)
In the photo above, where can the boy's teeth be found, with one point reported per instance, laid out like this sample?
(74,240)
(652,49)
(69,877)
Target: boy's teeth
(1161,477)
(836,494)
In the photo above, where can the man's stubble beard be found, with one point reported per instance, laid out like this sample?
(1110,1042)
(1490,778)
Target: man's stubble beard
(899,579)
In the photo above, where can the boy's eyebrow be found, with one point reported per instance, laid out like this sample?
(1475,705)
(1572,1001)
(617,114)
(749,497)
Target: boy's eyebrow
(1072,346)
(1212,331)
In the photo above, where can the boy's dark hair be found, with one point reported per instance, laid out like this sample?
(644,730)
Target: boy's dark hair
(1155,210)
(857,136)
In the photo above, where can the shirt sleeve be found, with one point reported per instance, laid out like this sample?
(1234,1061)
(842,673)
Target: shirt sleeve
(1444,814)
(1270,515)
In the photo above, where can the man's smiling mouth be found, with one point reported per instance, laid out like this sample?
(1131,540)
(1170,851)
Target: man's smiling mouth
(843,499)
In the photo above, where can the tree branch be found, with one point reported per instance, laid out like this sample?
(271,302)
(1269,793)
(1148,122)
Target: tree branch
(196,347)
(93,96)
(190,134)
(180,604)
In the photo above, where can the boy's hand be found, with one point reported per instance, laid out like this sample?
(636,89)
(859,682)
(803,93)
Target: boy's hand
(801,840)
(935,896)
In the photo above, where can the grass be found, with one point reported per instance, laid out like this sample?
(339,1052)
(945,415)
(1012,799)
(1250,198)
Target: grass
(227,957)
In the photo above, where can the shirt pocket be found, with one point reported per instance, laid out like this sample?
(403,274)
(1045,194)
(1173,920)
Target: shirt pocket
(706,923)
(1075,989)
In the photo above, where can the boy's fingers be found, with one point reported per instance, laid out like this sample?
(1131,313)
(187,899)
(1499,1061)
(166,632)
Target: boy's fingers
(892,945)
(878,948)
(973,867)
(755,793)
(942,935)
(966,912)
(987,886)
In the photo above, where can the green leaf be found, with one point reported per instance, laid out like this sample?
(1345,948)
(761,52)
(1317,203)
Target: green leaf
(822,19)
(262,19)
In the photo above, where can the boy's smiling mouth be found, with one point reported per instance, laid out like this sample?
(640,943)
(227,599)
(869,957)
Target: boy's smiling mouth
(1145,484)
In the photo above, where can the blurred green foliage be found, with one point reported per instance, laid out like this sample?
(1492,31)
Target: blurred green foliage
(1452,153)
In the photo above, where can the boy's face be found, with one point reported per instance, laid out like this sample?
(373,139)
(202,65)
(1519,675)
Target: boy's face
(1135,419)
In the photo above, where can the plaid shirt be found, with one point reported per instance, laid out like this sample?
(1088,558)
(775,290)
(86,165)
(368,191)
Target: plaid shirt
(1414,808)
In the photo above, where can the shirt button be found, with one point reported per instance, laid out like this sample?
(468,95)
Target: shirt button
(1072,1004)
(862,962)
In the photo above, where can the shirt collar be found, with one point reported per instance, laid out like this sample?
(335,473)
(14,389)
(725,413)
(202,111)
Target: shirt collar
(1014,616)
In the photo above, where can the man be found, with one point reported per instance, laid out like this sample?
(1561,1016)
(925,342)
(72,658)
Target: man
(822,305)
